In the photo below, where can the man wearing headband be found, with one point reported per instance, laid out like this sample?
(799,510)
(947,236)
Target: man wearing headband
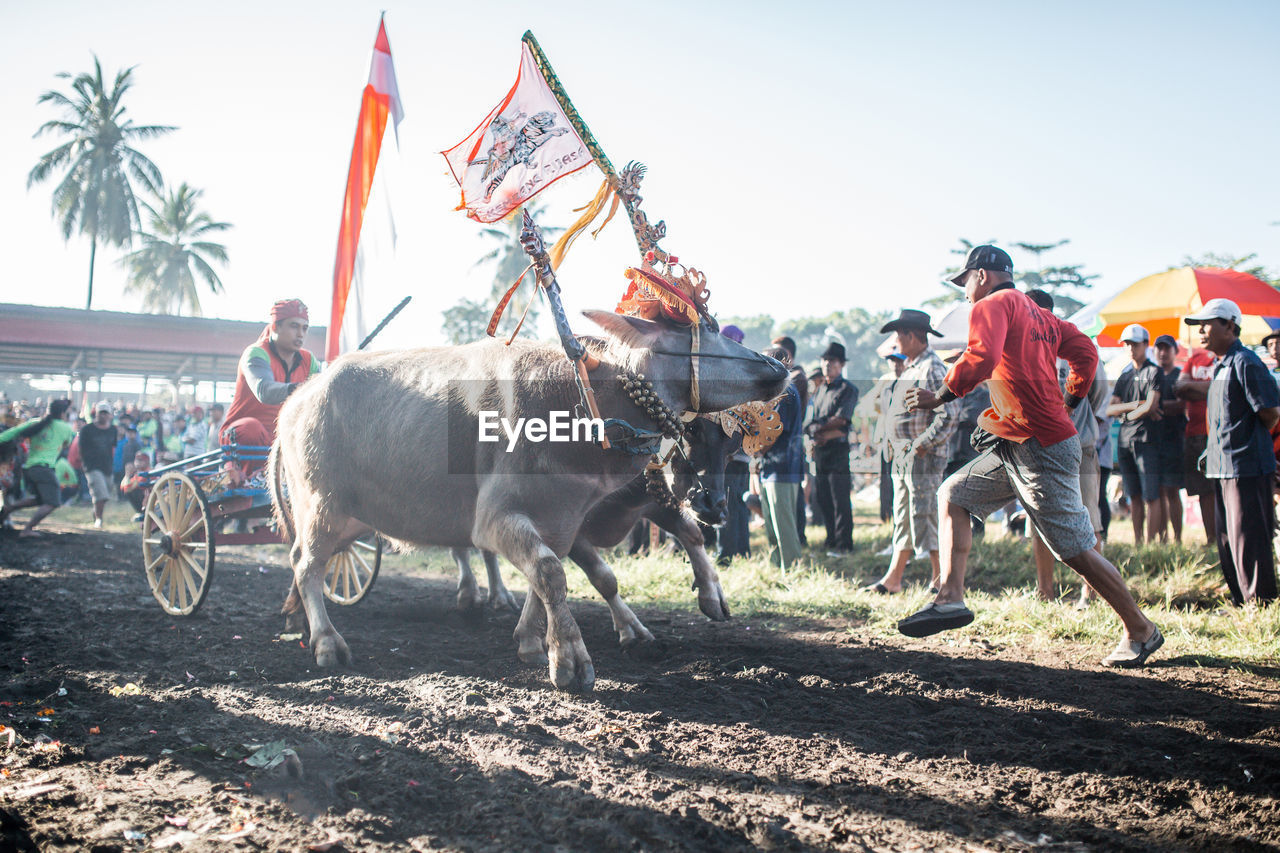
(269,370)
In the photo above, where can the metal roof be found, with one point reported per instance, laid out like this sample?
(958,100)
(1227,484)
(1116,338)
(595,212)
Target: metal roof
(74,342)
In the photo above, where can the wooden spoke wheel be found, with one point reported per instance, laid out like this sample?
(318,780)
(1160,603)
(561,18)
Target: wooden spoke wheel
(349,574)
(177,544)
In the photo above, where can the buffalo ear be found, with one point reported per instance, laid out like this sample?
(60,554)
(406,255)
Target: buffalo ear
(632,331)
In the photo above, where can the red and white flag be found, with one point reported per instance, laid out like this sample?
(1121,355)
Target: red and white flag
(362,288)
(522,147)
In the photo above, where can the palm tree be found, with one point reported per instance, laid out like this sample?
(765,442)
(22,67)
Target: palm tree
(95,196)
(173,253)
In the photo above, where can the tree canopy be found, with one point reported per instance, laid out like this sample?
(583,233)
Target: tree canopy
(174,253)
(95,195)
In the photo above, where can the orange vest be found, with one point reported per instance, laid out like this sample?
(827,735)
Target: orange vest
(245,404)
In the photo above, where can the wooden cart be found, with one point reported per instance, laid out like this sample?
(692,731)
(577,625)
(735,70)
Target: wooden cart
(190,509)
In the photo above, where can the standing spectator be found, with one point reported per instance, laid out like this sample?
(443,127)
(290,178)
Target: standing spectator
(1243,406)
(781,469)
(1171,429)
(1106,462)
(149,432)
(732,539)
(918,441)
(172,445)
(216,415)
(126,449)
(119,457)
(1193,388)
(81,494)
(196,435)
(880,435)
(828,426)
(816,380)
(1032,453)
(1271,343)
(46,439)
(97,449)
(1135,400)
(801,384)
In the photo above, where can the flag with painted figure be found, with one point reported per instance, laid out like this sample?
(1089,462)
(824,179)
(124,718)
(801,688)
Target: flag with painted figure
(365,284)
(525,144)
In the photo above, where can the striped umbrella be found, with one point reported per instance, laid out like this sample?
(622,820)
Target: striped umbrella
(1159,302)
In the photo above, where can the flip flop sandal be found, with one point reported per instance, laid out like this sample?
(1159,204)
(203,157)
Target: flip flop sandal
(879,589)
(934,619)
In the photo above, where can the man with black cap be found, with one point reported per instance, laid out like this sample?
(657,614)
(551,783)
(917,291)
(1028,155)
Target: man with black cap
(1030,449)
(917,441)
(828,426)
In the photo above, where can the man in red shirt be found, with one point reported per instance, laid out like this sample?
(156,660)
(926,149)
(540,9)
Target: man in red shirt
(1030,452)
(1193,387)
(269,370)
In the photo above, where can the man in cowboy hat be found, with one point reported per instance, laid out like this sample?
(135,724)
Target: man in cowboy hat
(917,444)
(828,426)
(269,370)
(1031,450)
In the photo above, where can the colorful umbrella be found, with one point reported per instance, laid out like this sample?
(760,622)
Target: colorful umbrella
(1159,302)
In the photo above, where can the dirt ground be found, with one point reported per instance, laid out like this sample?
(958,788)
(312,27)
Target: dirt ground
(760,734)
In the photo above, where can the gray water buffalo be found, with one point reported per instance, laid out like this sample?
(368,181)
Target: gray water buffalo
(695,478)
(392,441)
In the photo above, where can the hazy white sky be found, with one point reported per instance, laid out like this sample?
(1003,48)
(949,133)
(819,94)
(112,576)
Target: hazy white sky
(807,156)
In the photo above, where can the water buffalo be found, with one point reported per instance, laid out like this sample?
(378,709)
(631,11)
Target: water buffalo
(698,479)
(391,441)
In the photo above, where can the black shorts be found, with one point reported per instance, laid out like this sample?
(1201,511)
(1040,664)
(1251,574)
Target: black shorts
(42,480)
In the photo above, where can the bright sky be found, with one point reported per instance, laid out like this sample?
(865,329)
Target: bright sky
(808,156)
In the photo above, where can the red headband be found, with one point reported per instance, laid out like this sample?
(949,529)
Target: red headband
(286,309)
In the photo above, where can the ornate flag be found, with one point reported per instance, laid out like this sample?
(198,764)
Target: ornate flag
(522,147)
(367,229)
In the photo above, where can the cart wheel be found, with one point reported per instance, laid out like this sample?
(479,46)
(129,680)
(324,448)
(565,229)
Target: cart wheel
(177,544)
(349,574)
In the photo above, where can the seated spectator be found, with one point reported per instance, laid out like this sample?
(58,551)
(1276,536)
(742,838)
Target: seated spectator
(133,482)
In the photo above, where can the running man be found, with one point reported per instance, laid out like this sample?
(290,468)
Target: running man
(1031,451)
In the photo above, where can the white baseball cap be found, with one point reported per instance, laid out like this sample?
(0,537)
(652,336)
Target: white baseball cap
(1215,309)
(1136,334)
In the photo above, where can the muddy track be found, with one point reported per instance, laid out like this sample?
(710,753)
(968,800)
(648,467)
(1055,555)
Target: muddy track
(760,734)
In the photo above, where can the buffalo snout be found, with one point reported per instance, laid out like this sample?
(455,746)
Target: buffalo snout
(710,506)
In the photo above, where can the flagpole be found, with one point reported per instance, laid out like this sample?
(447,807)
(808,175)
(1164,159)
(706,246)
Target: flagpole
(588,138)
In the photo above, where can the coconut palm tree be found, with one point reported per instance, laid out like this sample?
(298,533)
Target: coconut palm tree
(95,196)
(174,252)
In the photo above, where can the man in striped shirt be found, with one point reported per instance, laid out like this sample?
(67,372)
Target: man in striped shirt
(917,441)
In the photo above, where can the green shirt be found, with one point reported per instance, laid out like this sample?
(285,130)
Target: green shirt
(47,443)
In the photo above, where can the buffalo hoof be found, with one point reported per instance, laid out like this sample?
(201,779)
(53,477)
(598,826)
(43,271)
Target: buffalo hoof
(502,601)
(533,655)
(714,605)
(331,651)
(573,672)
(469,602)
(294,623)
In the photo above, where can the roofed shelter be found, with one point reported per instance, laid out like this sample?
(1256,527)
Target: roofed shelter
(84,345)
